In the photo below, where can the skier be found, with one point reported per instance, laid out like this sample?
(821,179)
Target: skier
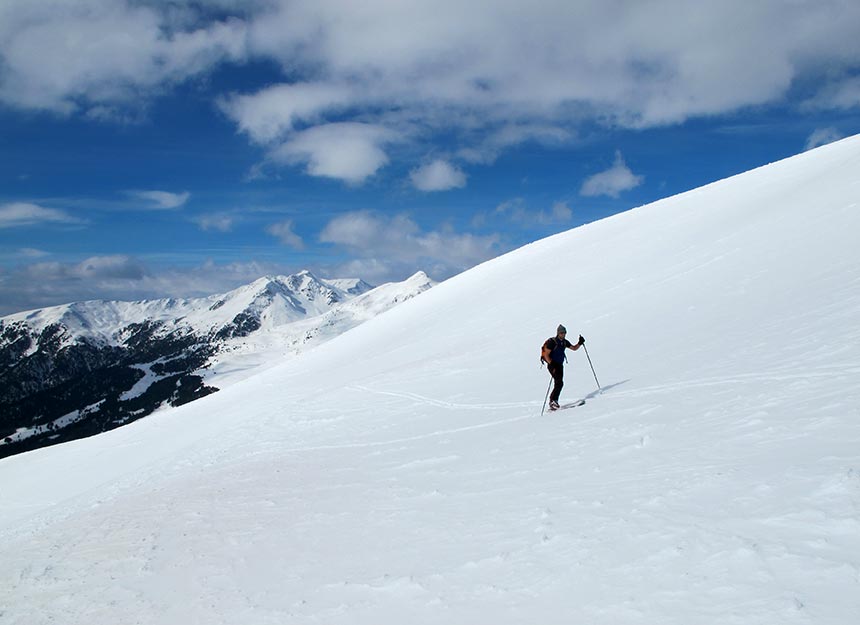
(552,353)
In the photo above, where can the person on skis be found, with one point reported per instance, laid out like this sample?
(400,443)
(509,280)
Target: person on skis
(553,355)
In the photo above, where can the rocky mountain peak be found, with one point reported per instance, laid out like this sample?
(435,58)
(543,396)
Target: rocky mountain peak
(78,369)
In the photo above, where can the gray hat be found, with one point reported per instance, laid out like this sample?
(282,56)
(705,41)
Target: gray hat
(561,329)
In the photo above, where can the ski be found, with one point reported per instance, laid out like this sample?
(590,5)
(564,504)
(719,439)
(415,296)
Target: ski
(573,404)
(579,402)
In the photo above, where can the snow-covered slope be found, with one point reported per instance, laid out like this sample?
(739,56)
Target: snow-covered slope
(401,474)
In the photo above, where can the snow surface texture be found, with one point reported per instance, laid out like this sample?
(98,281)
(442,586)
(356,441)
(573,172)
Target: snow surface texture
(401,474)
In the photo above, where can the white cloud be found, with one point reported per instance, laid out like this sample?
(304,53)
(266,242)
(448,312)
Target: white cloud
(363,229)
(508,135)
(823,136)
(161,200)
(217,221)
(561,60)
(490,75)
(93,270)
(30,252)
(500,74)
(517,211)
(560,211)
(108,267)
(500,60)
(397,243)
(840,94)
(439,175)
(18,214)
(272,113)
(847,94)
(346,151)
(284,232)
(62,56)
(613,181)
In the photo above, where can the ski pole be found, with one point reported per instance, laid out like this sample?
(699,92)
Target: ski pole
(544,399)
(592,367)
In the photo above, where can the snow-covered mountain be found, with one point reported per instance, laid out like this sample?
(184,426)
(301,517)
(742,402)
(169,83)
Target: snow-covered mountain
(78,369)
(268,302)
(402,473)
(238,359)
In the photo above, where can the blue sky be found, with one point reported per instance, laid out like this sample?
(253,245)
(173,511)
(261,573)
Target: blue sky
(152,149)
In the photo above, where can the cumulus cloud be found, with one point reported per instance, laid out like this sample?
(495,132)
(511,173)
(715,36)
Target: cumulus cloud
(19,214)
(72,55)
(488,75)
(346,151)
(363,229)
(613,181)
(272,113)
(439,175)
(284,232)
(502,74)
(161,200)
(823,136)
(511,60)
(392,243)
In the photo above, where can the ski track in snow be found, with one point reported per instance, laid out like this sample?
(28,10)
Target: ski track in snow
(402,473)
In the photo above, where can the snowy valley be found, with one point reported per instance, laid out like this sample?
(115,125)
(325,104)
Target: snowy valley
(402,473)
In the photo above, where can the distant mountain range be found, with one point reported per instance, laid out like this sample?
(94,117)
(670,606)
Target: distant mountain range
(75,370)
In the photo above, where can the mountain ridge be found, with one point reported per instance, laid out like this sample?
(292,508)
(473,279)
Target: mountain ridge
(85,367)
(99,318)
